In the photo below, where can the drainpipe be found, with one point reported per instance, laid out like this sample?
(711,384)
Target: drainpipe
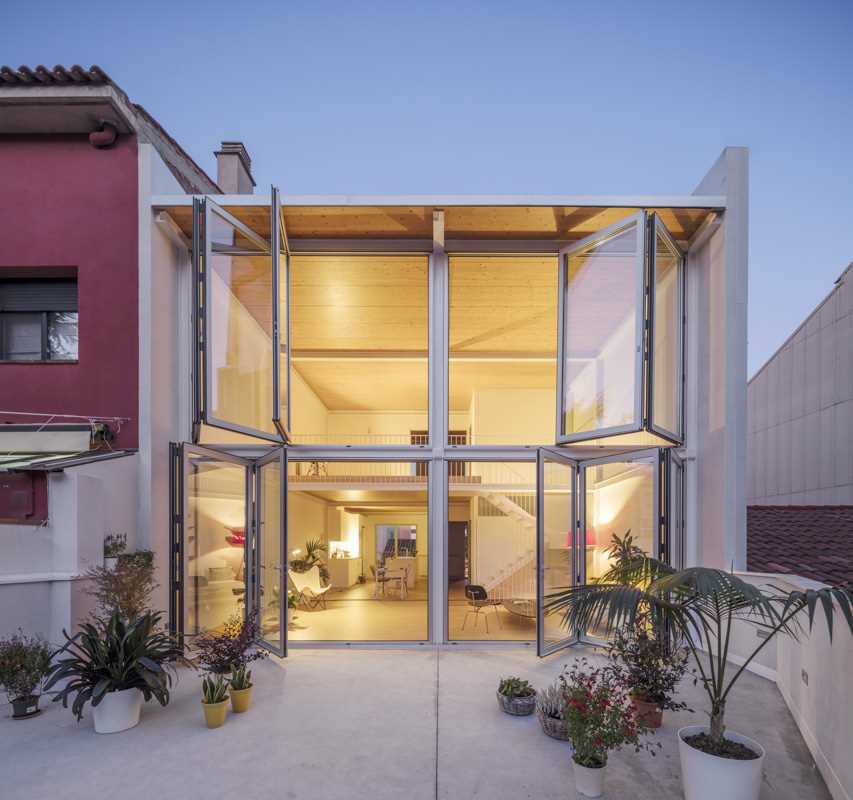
(105,137)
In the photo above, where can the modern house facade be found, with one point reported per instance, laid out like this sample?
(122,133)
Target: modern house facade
(460,398)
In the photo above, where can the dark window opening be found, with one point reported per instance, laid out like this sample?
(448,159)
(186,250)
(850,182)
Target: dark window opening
(38,320)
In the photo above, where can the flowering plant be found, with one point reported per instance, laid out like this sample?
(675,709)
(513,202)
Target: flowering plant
(599,715)
(233,647)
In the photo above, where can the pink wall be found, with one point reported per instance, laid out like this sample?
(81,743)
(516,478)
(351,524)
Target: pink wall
(65,204)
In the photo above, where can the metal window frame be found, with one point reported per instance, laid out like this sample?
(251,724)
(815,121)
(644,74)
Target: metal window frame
(655,228)
(45,354)
(543,455)
(279,456)
(343,454)
(279,247)
(650,455)
(204,209)
(637,219)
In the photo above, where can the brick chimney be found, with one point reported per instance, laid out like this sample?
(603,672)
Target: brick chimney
(234,169)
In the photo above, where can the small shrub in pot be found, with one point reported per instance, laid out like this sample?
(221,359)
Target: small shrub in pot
(24,664)
(650,668)
(551,709)
(516,696)
(599,717)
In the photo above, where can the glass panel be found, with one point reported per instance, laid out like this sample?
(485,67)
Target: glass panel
(359,339)
(214,542)
(20,335)
(666,352)
(272,603)
(62,335)
(491,551)
(239,332)
(358,550)
(600,329)
(283,343)
(619,500)
(502,318)
(557,545)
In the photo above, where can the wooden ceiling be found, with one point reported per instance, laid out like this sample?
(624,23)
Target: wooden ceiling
(561,223)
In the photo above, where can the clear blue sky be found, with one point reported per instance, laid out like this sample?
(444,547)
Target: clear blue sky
(538,97)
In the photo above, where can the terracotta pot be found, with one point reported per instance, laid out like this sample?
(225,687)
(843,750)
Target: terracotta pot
(214,713)
(647,711)
(241,699)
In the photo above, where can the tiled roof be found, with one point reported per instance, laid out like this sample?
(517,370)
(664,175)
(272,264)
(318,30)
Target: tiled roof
(77,76)
(57,75)
(812,541)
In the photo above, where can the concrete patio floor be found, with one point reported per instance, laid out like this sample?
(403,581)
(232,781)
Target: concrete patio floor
(372,724)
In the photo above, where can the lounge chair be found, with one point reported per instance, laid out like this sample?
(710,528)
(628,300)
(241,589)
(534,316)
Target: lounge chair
(308,588)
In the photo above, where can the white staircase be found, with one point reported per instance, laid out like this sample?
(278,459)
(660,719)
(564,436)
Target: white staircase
(517,579)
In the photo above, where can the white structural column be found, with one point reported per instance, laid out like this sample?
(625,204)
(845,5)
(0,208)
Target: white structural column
(438,427)
(716,472)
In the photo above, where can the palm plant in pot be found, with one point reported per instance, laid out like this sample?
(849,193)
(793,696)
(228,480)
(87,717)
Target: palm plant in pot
(24,663)
(115,664)
(599,717)
(700,606)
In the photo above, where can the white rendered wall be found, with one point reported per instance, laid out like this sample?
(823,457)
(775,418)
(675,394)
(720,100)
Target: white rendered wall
(164,372)
(40,586)
(715,470)
(820,701)
(800,407)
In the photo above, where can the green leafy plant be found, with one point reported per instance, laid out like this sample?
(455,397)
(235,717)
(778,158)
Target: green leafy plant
(698,607)
(513,687)
(114,654)
(313,558)
(649,667)
(214,689)
(24,663)
(233,647)
(125,590)
(115,544)
(291,600)
(599,715)
(241,678)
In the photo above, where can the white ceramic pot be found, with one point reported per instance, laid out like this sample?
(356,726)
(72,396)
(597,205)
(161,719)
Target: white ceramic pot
(589,781)
(110,563)
(118,711)
(707,777)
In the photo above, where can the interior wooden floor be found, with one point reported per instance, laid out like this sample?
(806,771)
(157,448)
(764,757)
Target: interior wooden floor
(355,615)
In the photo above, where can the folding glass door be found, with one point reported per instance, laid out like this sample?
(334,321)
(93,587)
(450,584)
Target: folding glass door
(620,343)
(241,375)
(229,536)
(556,545)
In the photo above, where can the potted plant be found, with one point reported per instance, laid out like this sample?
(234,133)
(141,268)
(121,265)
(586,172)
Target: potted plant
(240,688)
(516,697)
(651,669)
(599,717)
(233,647)
(214,700)
(114,545)
(125,588)
(550,709)
(24,663)
(699,606)
(115,664)
(291,606)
